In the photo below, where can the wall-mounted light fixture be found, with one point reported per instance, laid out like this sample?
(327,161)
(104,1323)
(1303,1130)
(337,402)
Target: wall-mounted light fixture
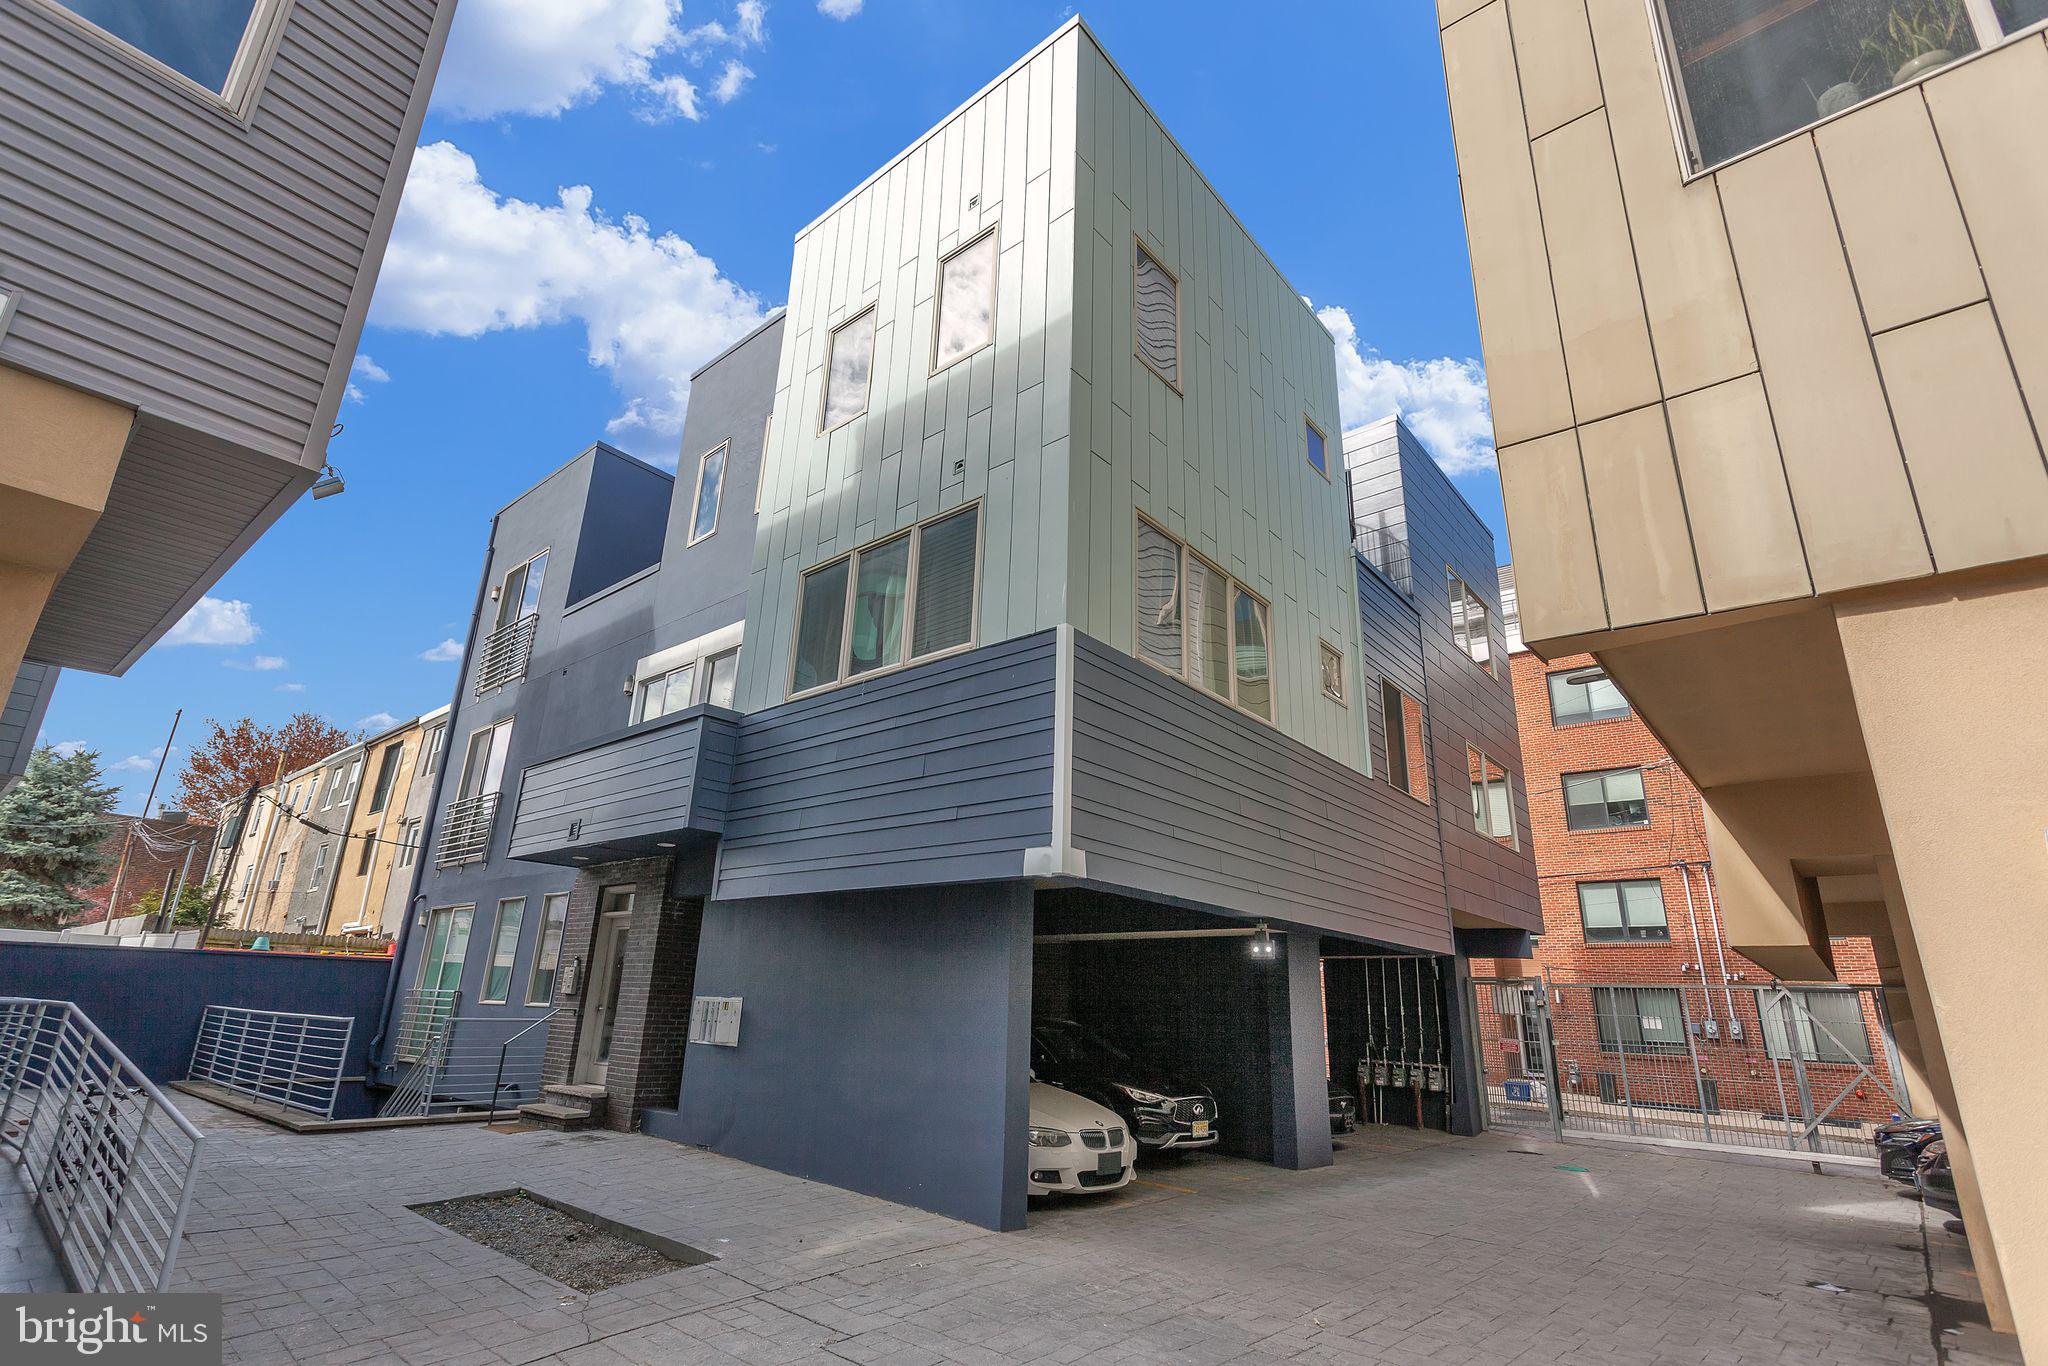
(1264,947)
(328,484)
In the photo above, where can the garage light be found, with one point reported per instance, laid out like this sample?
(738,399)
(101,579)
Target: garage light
(1263,947)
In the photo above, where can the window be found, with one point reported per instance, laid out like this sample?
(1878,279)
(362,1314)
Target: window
(319,874)
(1493,810)
(710,483)
(1331,662)
(1829,1026)
(280,870)
(291,800)
(1623,912)
(1603,800)
(483,764)
(1318,455)
(547,952)
(724,680)
(408,842)
(519,593)
(387,775)
(1748,73)
(664,693)
(1407,756)
(447,946)
(332,789)
(1468,623)
(1155,304)
(1581,695)
(849,366)
(430,751)
(855,614)
(354,779)
(211,43)
(1639,1019)
(504,949)
(369,853)
(1198,623)
(966,305)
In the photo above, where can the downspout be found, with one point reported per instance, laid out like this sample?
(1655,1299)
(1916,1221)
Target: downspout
(1699,957)
(419,866)
(1720,937)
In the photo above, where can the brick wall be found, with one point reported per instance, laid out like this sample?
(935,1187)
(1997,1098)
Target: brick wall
(147,869)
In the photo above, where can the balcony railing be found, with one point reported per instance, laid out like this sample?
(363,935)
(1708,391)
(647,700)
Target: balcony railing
(284,1057)
(466,830)
(1386,551)
(503,656)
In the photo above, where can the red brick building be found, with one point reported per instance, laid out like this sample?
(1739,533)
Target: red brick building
(155,854)
(1642,983)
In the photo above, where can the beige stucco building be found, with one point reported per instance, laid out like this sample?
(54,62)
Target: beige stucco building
(1765,316)
(377,859)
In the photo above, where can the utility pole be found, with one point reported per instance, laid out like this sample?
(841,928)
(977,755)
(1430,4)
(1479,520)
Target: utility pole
(166,914)
(227,872)
(121,868)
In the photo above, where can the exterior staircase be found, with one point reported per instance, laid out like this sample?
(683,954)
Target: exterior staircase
(566,1107)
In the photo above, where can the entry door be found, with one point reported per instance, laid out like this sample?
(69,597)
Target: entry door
(601,995)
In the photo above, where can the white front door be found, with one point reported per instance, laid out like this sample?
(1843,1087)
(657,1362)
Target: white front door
(601,991)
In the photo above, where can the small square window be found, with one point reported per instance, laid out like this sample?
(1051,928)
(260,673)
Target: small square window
(1332,661)
(1156,309)
(849,369)
(1318,454)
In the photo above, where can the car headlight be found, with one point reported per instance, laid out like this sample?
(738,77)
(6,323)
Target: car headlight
(1050,1138)
(1144,1097)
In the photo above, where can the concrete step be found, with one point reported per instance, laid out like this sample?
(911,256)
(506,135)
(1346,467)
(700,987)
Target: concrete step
(567,1093)
(563,1117)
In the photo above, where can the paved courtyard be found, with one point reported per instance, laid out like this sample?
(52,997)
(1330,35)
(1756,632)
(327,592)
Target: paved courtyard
(1413,1248)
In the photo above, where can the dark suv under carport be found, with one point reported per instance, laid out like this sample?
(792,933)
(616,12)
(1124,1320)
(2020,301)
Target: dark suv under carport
(1164,1111)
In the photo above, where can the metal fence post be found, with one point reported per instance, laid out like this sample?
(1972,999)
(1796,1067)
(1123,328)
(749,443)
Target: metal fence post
(1553,1086)
(1692,1054)
(1892,1061)
(1789,1013)
(1613,994)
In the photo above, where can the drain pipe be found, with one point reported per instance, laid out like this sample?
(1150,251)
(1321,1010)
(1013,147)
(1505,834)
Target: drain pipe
(419,867)
(1699,957)
(1720,937)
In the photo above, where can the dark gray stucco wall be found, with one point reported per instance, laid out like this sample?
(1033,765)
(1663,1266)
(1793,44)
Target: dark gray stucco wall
(883,1045)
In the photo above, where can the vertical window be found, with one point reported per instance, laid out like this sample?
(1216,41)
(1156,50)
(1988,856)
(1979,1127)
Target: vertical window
(1331,661)
(547,951)
(387,775)
(820,625)
(208,42)
(1639,1019)
(1159,597)
(849,367)
(483,766)
(447,947)
(1407,757)
(519,593)
(1208,626)
(946,578)
(1318,453)
(725,676)
(1623,912)
(354,780)
(1468,623)
(881,592)
(966,304)
(504,949)
(319,867)
(1156,309)
(1254,664)
(1493,810)
(408,842)
(710,483)
(369,853)
(430,751)
(1600,801)
(1581,695)
(280,870)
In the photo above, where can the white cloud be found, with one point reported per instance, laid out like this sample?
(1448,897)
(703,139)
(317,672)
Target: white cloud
(671,96)
(1443,401)
(446,652)
(214,621)
(376,721)
(731,81)
(67,748)
(465,260)
(368,372)
(260,664)
(544,57)
(839,9)
(138,763)
(291,687)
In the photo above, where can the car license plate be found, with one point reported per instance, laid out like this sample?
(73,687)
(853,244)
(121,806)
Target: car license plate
(1201,1128)
(1109,1164)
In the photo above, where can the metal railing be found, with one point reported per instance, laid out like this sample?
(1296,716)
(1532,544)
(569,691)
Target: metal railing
(1387,551)
(109,1160)
(288,1059)
(502,658)
(466,830)
(477,1063)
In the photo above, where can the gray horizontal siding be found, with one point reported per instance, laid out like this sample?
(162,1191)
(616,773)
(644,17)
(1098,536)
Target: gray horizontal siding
(664,779)
(1392,651)
(177,262)
(1177,795)
(21,716)
(939,773)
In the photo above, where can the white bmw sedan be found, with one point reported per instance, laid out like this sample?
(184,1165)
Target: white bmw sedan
(1077,1147)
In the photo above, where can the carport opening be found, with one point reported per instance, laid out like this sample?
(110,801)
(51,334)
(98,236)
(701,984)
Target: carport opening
(1391,1042)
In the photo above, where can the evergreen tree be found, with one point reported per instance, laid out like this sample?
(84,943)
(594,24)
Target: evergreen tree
(53,828)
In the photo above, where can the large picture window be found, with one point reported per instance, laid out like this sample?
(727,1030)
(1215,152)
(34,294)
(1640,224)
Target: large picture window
(1747,72)
(1603,800)
(966,305)
(1639,1019)
(1155,303)
(906,597)
(1198,623)
(1623,912)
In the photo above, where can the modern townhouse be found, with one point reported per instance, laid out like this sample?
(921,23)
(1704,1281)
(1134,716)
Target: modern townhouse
(1766,333)
(378,847)
(194,202)
(997,665)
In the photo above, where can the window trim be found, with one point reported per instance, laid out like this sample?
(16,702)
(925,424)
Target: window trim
(547,900)
(1179,351)
(1487,668)
(697,494)
(1510,840)
(248,73)
(1234,586)
(1564,799)
(1409,760)
(825,379)
(1325,650)
(1621,903)
(1310,424)
(995,281)
(851,557)
(483,989)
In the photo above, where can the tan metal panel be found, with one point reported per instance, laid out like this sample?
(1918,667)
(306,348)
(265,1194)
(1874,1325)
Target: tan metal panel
(1517,319)
(1990,113)
(1449,12)
(1744,532)
(1599,308)
(1689,285)
(1848,481)
(1907,245)
(1978,472)
(1554,49)
(1557,570)
(1646,559)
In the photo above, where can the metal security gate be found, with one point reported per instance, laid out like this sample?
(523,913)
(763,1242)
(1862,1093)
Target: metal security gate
(1790,1066)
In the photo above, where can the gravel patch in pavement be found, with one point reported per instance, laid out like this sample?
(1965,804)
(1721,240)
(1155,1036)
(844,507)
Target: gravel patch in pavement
(579,1254)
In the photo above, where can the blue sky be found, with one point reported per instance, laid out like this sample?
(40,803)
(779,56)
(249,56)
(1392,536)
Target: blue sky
(519,317)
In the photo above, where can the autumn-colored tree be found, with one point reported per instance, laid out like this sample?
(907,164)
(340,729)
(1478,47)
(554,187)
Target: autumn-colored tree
(233,759)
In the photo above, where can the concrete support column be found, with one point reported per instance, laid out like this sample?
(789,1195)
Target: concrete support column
(1947,680)
(1301,1096)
